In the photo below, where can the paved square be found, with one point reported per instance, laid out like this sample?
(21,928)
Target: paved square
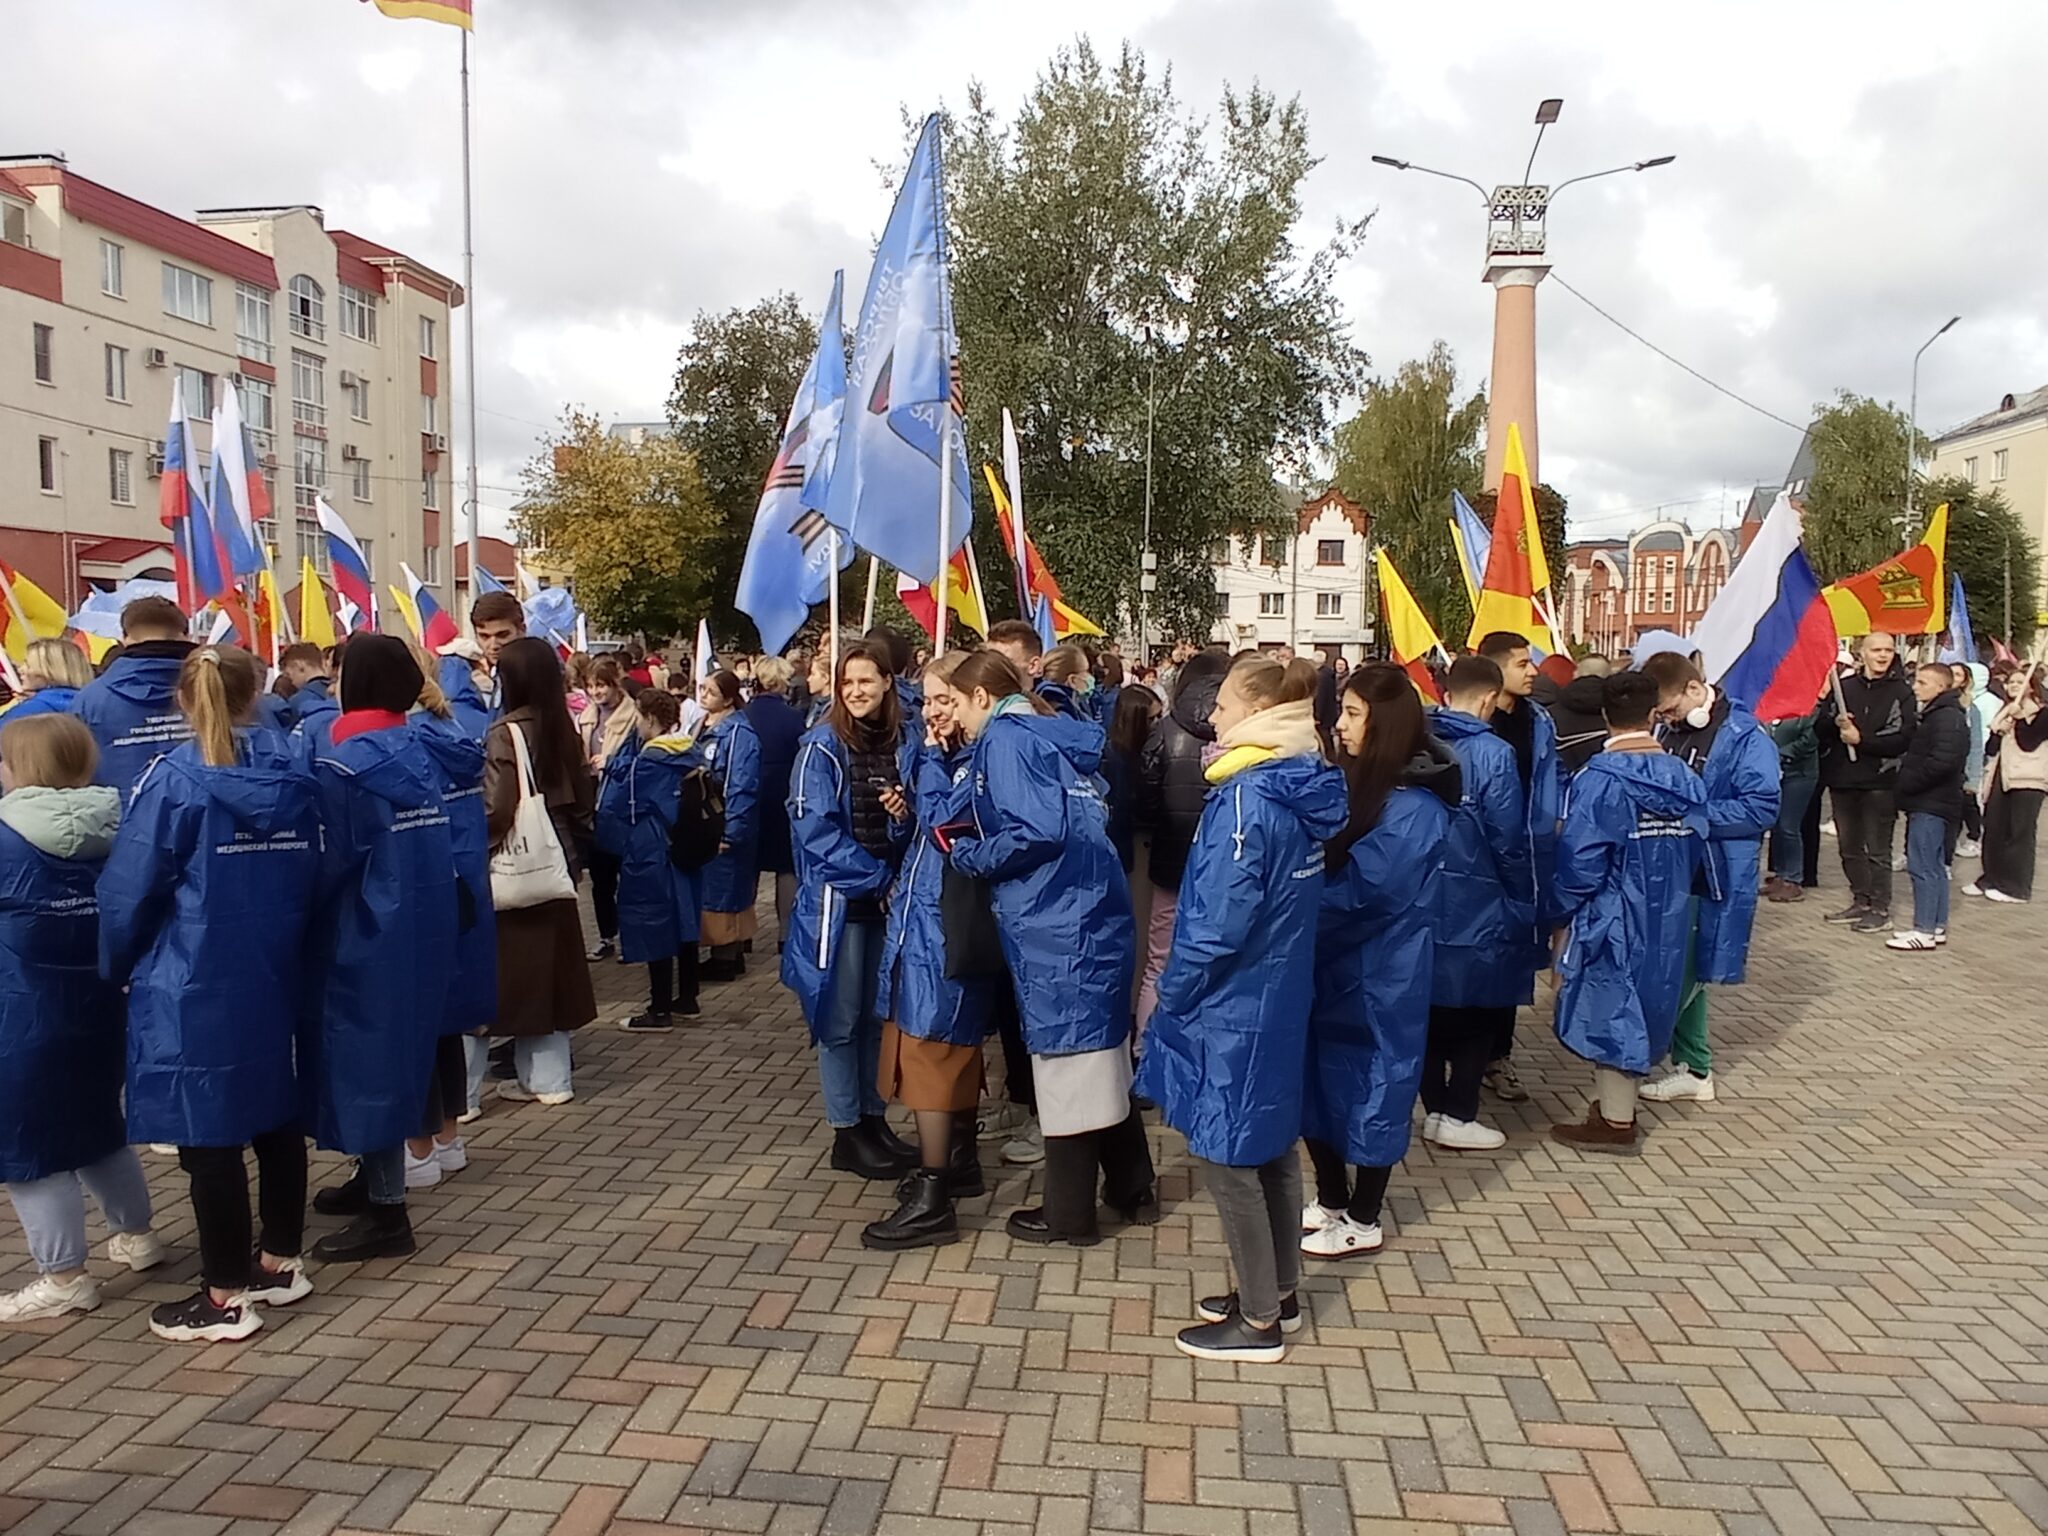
(1820,1305)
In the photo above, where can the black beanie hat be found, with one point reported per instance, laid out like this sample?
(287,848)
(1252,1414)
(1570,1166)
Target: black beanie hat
(378,672)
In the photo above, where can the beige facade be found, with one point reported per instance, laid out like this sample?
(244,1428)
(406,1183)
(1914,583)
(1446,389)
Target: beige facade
(335,345)
(1309,590)
(2005,450)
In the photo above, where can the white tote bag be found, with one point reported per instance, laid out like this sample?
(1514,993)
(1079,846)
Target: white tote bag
(529,867)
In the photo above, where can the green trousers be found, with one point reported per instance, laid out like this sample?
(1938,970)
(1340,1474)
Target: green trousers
(1689,1047)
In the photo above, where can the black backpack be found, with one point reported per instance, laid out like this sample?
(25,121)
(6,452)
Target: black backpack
(694,840)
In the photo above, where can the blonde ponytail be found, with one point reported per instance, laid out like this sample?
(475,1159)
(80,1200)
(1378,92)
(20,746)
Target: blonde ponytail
(432,699)
(216,690)
(1266,681)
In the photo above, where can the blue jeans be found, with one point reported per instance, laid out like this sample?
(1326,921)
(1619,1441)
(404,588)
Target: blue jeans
(52,1210)
(850,1047)
(1927,865)
(542,1062)
(1788,846)
(384,1172)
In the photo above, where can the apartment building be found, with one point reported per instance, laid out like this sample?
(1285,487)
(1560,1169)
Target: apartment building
(2005,450)
(1663,576)
(336,345)
(1309,589)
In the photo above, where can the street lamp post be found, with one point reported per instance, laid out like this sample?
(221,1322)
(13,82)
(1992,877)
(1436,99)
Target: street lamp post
(1148,563)
(1913,424)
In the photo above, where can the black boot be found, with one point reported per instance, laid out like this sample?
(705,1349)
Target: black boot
(351,1197)
(963,1173)
(381,1232)
(877,1126)
(855,1150)
(925,1218)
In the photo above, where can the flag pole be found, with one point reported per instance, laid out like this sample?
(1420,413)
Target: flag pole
(832,601)
(945,524)
(867,614)
(469,337)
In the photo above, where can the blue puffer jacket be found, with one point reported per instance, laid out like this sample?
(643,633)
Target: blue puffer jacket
(132,712)
(732,751)
(914,990)
(1741,776)
(381,944)
(832,867)
(1485,901)
(1374,956)
(1634,835)
(61,701)
(204,910)
(659,905)
(1059,893)
(60,1024)
(473,989)
(1227,1045)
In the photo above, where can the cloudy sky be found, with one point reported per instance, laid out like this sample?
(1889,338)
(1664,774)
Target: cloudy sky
(1847,179)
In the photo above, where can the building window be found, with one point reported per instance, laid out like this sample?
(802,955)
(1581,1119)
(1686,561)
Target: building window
(309,472)
(357,389)
(430,490)
(1970,470)
(1670,600)
(259,414)
(1329,551)
(429,416)
(309,391)
(306,305)
(46,464)
(46,358)
(359,479)
(111,283)
(187,294)
(359,314)
(427,336)
(252,322)
(1272,549)
(13,223)
(313,543)
(1222,604)
(369,547)
(1998,464)
(430,565)
(120,481)
(1272,605)
(195,389)
(117,373)
(1329,605)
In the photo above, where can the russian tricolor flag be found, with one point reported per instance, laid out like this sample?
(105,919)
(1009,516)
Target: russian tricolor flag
(239,497)
(1768,640)
(350,567)
(436,628)
(202,566)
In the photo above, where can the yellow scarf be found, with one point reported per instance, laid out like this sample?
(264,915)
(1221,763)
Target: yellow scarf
(1285,730)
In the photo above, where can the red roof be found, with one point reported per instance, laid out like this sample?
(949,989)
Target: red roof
(356,272)
(14,188)
(121,215)
(382,256)
(120,551)
(499,558)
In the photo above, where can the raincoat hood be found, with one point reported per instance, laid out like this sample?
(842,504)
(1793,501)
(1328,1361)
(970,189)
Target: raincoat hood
(460,757)
(1193,704)
(64,823)
(388,764)
(1078,741)
(1456,725)
(1655,782)
(1437,770)
(143,680)
(267,792)
(1303,786)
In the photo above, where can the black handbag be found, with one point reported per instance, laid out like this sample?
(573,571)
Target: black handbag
(967,921)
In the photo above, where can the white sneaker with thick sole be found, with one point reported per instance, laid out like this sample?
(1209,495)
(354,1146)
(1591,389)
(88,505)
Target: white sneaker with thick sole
(1467,1136)
(1993,893)
(421,1172)
(138,1250)
(471,1115)
(1973,889)
(1316,1217)
(163,1149)
(1912,939)
(47,1296)
(1679,1083)
(1430,1122)
(1027,1148)
(1344,1239)
(1969,848)
(519,1093)
(1002,1120)
(278,1287)
(453,1156)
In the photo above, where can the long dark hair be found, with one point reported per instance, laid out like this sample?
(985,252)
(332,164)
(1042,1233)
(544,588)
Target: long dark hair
(1394,735)
(1136,709)
(996,675)
(530,677)
(886,723)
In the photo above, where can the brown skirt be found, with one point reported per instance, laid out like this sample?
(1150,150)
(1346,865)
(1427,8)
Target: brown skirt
(728,927)
(543,979)
(929,1074)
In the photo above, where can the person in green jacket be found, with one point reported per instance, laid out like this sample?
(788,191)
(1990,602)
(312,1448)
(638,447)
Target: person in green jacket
(1799,769)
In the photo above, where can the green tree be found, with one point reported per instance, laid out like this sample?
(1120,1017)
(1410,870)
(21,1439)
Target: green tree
(1986,539)
(736,377)
(1412,443)
(1855,500)
(1102,216)
(635,521)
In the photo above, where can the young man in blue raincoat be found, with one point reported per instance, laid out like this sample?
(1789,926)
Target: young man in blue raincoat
(1737,762)
(131,709)
(1634,835)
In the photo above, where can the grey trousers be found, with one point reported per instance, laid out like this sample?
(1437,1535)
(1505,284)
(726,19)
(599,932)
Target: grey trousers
(1261,1212)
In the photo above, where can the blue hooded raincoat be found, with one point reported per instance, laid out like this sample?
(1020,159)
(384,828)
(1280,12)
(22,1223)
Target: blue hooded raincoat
(469,709)
(1228,1043)
(60,701)
(1546,798)
(381,942)
(1634,835)
(831,865)
(1741,776)
(473,989)
(659,905)
(732,751)
(1485,902)
(1375,953)
(915,990)
(204,909)
(60,1024)
(132,712)
(1061,901)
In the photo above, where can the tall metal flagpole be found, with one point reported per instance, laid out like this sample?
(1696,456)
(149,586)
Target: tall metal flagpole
(832,603)
(469,339)
(945,522)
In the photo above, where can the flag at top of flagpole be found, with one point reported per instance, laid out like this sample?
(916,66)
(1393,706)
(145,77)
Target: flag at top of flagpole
(350,566)
(1043,603)
(435,629)
(456,13)
(181,506)
(1472,542)
(1768,638)
(904,389)
(1410,635)
(239,498)
(1516,571)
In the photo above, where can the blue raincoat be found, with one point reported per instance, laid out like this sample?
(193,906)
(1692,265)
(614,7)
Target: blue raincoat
(1485,901)
(381,949)
(60,1024)
(61,701)
(1634,835)
(659,905)
(831,865)
(915,990)
(468,707)
(1066,701)
(473,987)
(732,751)
(1227,1045)
(779,727)
(1741,776)
(132,712)
(204,909)
(1375,951)
(1546,796)
(1061,901)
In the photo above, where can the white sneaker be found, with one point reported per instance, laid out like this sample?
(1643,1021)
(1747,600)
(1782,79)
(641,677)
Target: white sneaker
(278,1287)
(1993,893)
(1002,1120)
(519,1093)
(1941,936)
(453,1156)
(1317,1217)
(1911,938)
(163,1149)
(1969,848)
(471,1115)
(1679,1083)
(1467,1135)
(1344,1239)
(47,1296)
(138,1250)
(1027,1148)
(1973,889)
(1430,1122)
(421,1172)
(1898,863)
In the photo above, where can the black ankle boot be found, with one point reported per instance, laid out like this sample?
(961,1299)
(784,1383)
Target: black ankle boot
(381,1232)
(351,1197)
(963,1173)
(924,1219)
(877,1126)
(856,1150)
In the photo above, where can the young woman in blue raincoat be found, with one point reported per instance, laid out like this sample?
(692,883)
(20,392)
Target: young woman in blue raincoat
(383,942)
(732,751)
(61,1131)
(1041,841)
(849,823)
(1375,957)
(931,1040)
(52,673)
(1634,835)
(205,906)
(659,904)
(1227,1047)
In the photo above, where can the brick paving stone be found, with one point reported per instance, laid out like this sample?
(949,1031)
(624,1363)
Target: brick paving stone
(1817,1306)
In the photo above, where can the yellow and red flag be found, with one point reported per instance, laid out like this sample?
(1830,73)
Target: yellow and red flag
(316,619)
(1037,578)
(456,13)
(963,595)
(1516,571)
(1906,595)
(27,613)
(1410,635)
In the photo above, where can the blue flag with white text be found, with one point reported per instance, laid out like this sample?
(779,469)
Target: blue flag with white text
(1960,639)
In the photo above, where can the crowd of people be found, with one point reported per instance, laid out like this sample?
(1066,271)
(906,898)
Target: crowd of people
(1276,902)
